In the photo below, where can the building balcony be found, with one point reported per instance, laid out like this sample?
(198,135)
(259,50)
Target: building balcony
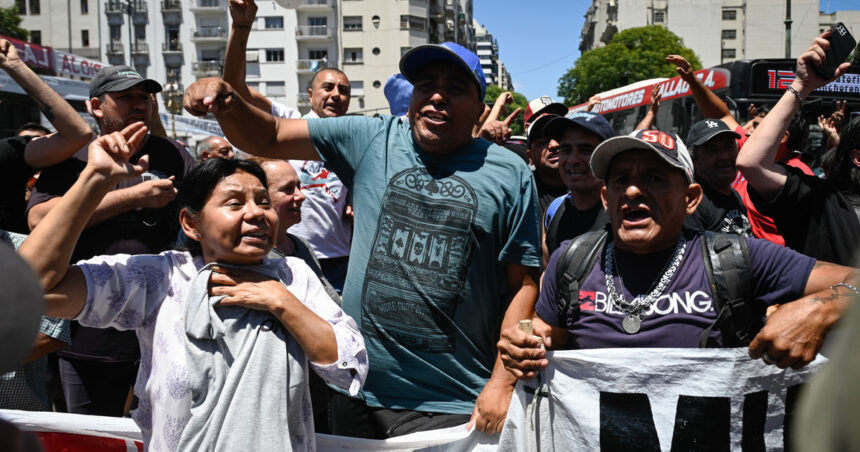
(114,48)
(315,5)
(209,34)
(303,100)
(140,48)
(171,47)
(314,32)
(310,66)
(171,5)
(209,6)
(211,68)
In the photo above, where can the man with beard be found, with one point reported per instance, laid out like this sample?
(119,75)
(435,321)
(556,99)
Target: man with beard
(137,217)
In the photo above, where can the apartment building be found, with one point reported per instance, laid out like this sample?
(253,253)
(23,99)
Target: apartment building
(718,30)
(487,49)
(68,25)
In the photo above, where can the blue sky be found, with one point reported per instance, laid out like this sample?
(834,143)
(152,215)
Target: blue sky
(539,39)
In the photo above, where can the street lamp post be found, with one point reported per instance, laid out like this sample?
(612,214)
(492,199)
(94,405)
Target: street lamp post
(172,94)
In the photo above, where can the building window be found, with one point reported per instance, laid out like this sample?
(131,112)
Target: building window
(85,38)
(356,88)
(730,34)
(35,7)
(85,6)
(274,55)
(274,23)
(377,83)
(317,54)
(22,7)
(376,50)
(353,55)
(114,31)
(274,89)
(730,14)
(36,37)
(413,23)
(729,54)
(659,17)
(352,23)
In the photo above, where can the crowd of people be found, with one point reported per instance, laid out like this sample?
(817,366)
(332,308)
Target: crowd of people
(366,276)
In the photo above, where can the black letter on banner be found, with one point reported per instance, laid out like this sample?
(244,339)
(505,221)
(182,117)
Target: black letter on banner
(626,423)
(702,423)
(790,404)
(755,414)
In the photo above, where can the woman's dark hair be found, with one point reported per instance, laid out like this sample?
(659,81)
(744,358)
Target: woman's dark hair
(200,182)
(840,169)
(798,134)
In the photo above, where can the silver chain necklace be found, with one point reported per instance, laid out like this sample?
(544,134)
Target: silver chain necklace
(633,320)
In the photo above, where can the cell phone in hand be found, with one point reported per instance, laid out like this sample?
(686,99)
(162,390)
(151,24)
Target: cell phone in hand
(841,44)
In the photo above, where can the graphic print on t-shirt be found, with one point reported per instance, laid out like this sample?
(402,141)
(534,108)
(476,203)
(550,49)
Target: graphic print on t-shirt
(419,260)
(318,182)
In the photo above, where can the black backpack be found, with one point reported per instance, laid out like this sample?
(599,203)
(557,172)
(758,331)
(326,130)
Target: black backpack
(727,263)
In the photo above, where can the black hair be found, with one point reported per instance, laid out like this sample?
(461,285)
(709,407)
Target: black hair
(838,166)
(200,182)
(319,72)
(798,134)
(33,126)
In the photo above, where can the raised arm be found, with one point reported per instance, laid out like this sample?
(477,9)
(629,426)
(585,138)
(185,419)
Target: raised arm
(243,13)
(648,121)
(72,131)
(708,102)
(248,127)
(757,158)
(49,246)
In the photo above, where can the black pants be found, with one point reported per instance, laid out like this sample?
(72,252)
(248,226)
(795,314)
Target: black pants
(93,387)
(352,417)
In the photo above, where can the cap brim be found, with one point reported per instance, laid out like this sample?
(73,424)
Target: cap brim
(606,151)
(555,129)
(539,127)
(710,137)
(148,85)
(419,57)
(554,108)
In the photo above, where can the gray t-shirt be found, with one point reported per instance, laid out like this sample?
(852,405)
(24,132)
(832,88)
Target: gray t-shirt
(426,279)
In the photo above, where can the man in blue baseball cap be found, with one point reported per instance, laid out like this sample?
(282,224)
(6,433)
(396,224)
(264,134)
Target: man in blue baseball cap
(580,210)
(445,249)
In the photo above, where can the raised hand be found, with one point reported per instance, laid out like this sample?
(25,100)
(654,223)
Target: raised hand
(8,54)
(815,56)
(593,101)
(682,66)
(243,12)
(208,95)
(109,154)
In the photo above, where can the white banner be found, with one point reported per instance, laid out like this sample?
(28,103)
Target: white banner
(654,399)
(607,399)
(70,64)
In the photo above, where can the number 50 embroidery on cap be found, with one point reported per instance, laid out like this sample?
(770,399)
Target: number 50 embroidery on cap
(656,136)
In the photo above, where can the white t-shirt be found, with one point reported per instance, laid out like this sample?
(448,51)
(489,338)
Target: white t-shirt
(323,224)
(147,293)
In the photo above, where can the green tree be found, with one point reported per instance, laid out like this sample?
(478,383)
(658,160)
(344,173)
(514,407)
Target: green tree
(10,24)
(520,101)
(632,55)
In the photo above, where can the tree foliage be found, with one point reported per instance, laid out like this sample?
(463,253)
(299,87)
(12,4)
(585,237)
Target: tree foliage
(10,24)
(520,101)
(632,55)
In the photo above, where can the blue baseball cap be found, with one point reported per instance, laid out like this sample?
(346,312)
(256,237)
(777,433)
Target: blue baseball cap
(398,91)
(592,122)
(417,58)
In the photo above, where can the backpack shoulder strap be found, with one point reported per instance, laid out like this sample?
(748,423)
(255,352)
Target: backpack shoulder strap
(552,220)
(574,265)
(727,264)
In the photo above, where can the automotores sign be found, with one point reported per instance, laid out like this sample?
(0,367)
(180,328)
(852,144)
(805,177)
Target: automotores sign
(62,63)
(713,78)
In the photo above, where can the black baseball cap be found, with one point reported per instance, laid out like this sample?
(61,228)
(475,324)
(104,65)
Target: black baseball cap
(120,78)
(706,130)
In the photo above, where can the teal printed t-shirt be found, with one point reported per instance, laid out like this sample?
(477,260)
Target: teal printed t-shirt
(426,279)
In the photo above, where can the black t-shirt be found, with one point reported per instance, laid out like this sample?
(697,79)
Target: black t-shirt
(142,231)
(14,174)
(719,212)
(813,217)
(573,222)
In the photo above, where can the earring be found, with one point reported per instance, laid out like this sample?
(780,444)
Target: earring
(197,236)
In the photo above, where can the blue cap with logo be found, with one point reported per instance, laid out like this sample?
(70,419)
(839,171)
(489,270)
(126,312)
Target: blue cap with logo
(398,91)
(419,57)
(592,122)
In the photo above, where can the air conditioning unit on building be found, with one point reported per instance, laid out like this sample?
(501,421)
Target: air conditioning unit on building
(252,56)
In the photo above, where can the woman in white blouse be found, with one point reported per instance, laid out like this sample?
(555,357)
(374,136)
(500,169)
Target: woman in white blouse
(226,334)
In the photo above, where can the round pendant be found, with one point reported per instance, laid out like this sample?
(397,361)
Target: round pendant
(631,323)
